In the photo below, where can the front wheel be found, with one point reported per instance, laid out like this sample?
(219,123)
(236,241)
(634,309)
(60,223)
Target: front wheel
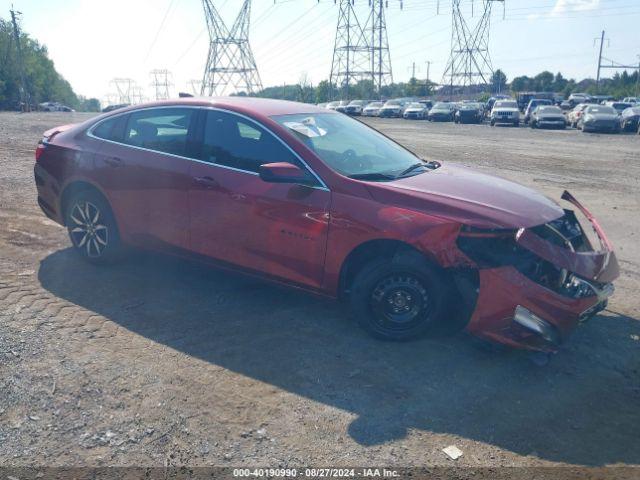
(399,298)
(92,228)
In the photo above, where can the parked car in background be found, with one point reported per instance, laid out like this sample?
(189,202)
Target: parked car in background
(505,112)
(54,107)
(442,112)
(333,105)
(392,108)
(548,116)
(355,107)
(493,100)
(634,100)
(523,98)
(469,113)
(573,117)
(599,118)
(533,104)
(566,105)
(576,98)
(619,106)
(319,201)
(630,119)
(372,109)
(415,111)
(427,103)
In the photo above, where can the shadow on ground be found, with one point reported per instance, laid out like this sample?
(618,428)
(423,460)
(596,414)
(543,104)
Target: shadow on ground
(580,409)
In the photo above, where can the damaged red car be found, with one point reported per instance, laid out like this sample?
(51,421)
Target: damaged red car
(317,200)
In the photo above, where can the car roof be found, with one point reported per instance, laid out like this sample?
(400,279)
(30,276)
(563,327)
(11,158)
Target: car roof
(248,105)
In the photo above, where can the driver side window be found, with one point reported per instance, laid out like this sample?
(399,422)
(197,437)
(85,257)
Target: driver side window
(233,141)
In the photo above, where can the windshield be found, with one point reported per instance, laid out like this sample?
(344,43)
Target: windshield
(392,103)
(441,106)
(416,105)
(351,148)
(375,105)
(506,105)
(603,109)
(357,102)
(549,110)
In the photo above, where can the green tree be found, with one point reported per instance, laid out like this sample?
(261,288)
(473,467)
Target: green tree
(498,81)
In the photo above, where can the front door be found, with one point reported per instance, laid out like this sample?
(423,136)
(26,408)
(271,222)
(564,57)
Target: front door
(277,229)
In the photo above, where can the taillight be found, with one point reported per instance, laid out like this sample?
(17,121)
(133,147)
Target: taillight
(40,148)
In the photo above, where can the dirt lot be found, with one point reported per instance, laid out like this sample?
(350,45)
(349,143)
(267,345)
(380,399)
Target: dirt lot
(162,362)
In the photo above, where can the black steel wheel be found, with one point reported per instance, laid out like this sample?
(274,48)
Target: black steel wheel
(400,298)
(92,227)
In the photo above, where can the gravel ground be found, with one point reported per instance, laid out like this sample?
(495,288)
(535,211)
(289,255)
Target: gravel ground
(161,362)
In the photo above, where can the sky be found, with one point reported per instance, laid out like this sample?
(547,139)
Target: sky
(91,42)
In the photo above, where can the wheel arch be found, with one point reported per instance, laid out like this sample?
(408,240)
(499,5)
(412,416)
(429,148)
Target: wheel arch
(363,253)
(74,187)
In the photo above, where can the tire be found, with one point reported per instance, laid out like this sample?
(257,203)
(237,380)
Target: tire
(492,123)
(533,125)
(400,298)
(92,228)
(516,124)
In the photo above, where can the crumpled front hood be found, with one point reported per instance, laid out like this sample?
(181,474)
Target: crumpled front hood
(469,197)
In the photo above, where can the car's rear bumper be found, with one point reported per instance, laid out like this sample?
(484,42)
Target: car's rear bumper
(48,193)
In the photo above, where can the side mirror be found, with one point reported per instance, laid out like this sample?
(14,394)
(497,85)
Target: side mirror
(283,172)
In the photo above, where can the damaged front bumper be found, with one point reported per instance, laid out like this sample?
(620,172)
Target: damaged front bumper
(536,285)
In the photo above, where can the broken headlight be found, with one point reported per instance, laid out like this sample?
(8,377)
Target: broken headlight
(497,248)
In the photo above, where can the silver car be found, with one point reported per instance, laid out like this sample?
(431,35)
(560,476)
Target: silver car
(600,118)
(372,110)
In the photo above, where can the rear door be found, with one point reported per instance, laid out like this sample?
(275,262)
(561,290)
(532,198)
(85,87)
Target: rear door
(277,229)
(144,168)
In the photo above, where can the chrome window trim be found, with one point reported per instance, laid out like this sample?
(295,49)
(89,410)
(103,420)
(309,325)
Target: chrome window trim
(322,186)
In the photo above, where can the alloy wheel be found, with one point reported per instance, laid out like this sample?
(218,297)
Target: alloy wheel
(88,231)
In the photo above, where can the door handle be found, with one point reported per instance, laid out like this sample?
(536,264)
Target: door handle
(114,162)
(206,182)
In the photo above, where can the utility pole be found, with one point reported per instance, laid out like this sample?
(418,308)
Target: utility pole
(428,62)
(25,98)
(599,63)
(638,79)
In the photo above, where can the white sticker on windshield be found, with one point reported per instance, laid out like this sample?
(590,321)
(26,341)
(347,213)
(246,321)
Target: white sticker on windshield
(306,127)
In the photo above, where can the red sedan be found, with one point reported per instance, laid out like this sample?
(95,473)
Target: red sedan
(317,200)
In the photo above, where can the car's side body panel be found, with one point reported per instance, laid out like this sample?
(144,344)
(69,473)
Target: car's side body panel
(304,234)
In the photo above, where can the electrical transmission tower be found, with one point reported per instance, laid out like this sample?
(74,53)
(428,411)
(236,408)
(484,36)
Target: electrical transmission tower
(194,86)
(469,66)
(125,90)
(161,81)
(380,53)
(361,50)
(231,67)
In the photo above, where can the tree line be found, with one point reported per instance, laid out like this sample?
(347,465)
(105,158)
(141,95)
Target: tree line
(43,82)
(621,85)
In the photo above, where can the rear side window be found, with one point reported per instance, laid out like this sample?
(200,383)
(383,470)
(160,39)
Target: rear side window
(110,129)
(164,130)
(232,141)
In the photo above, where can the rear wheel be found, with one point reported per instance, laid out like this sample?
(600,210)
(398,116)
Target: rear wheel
(92,227)
(399,298)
